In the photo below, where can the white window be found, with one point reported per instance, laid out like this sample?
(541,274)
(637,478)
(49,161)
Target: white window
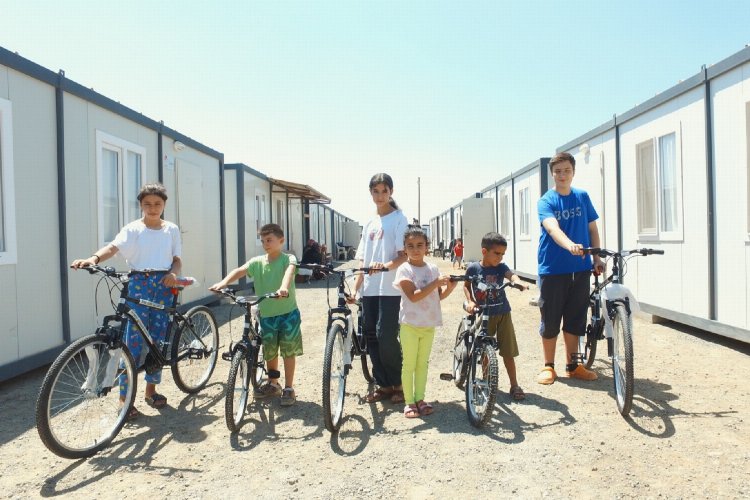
(8,254)
(525,212)
(659,178)
(260,212)
(121,171)
(505,213)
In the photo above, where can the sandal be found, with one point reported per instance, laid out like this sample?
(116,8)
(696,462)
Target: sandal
(424,408)
(517,393)
(411,411)
(132,414)
(156,401)
(398,397)
(379,394)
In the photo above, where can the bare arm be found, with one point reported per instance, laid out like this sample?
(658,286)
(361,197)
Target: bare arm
(233,276)
(596,242)
(174,271)
(516,281)
(104,253)
(415,294)
(444,292)
(471,305)
(552,227)
(286,281)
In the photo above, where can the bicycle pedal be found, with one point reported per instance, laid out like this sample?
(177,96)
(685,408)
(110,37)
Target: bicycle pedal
(446,376)
(226,356)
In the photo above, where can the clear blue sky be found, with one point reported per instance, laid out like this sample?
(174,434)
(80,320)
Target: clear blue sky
(458,93)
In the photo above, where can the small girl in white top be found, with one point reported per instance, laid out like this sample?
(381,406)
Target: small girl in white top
(422,288)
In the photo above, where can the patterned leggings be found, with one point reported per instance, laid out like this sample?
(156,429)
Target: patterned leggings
(146,286)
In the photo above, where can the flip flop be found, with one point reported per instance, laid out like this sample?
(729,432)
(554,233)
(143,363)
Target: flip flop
(132,414)
(517,393)
(411,411)
(424,408)
(156,401)
(398,397)
(379,394)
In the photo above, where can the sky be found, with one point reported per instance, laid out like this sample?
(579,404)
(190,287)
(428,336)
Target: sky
(446,96)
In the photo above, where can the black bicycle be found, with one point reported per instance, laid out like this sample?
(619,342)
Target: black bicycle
(79,410)
(475,365)
(248,369)
(344,343)
(612,297)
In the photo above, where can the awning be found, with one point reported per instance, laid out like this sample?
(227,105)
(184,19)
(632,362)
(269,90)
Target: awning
(301,191)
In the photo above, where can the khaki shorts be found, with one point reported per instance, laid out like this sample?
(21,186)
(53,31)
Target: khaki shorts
(500,326)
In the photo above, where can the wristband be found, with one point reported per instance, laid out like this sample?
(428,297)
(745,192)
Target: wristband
(98,259)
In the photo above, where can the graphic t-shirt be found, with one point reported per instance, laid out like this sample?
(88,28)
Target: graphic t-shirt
(382,239)
(498,301)
(573,213)
(145,248)
(425,312)
(267,278)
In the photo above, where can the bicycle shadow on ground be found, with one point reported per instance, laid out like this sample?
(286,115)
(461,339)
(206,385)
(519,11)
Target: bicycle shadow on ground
(262,418)
(148,435)
(653,407)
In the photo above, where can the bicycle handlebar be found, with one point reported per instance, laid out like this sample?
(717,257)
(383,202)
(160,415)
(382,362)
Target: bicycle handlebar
(479,280)
(246,301)
(603,252)
(327,269)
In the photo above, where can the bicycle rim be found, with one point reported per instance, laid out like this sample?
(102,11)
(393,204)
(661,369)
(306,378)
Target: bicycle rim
(622,359)
(334,378)
(79,411)
(481,385)
(195,350)
(238,390)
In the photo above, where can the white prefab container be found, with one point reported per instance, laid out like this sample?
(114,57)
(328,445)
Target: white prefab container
(71,166)
(352,233)
(529,184)
(478,220)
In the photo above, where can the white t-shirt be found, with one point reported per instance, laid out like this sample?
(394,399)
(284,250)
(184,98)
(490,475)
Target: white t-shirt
(145,248)
(382,239)
(425,312)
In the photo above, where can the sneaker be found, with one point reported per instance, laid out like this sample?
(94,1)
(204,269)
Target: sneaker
(582,373)
(288,397)
(267,390)
(547,376)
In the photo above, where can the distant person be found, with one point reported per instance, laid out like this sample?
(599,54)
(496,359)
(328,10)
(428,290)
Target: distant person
(151,247)
(422,288)
(280,319)
(569,221)
(450,247)
(382,246)
(458,253)
(500,324)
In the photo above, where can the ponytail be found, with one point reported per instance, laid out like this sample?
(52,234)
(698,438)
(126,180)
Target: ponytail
(393,204)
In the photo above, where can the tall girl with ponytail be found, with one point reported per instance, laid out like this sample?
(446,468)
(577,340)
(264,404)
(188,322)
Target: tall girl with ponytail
(382,246)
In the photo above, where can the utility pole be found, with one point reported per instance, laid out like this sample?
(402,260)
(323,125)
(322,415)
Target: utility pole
(419,201)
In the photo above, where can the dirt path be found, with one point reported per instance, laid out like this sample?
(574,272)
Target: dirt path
(689,435)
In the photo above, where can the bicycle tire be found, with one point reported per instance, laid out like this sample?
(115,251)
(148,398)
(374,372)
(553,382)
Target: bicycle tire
(459,358)
(334,378)
(194,350)
(258,373)
(74,419)
(622,359)
(588,342)
(366,368)
(480,392)
(239,388)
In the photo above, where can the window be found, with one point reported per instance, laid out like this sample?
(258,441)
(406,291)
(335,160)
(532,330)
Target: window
(280,213)
(121,173)
(523,204)
(658,178)
(8,253)
(504,209)
(260,212)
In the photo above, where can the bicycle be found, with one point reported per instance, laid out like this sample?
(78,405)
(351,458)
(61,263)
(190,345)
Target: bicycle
(77,412)
(618,302)
(344,342)
(474,353)
(248,369)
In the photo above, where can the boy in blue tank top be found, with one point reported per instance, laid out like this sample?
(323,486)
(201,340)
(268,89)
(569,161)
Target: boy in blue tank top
(569,221)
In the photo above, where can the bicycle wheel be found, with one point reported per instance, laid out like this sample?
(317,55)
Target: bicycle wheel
(622,359)
(334,378)
(587,343)
(195,349)
(481,385)
(459,357)
(366,368)
(79,412)
(258,373)
(239,388)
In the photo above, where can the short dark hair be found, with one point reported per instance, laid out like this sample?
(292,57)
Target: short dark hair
(273,229)
(561,157)
(492,238)
(155,189)
(414,231)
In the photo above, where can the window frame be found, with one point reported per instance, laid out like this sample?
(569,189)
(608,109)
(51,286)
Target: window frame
(260,213)
(8,254)
(504,226)
(524,215)
(658,233)
(113,143)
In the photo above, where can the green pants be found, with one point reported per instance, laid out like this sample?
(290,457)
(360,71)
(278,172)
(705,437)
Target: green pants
(416,344)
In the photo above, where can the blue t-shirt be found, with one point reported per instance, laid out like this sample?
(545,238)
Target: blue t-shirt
(573,212)
(498,302)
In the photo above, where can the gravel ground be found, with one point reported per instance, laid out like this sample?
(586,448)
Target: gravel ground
(688,435)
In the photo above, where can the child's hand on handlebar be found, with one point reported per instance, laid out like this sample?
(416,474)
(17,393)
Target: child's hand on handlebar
(520,285)
(282,293)
(599,266)
(376,267)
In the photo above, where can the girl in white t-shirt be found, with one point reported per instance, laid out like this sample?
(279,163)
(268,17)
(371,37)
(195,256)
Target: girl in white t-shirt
(382,246)
(152,244)
(422,288)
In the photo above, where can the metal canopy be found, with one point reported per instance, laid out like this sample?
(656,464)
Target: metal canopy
(296,190)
